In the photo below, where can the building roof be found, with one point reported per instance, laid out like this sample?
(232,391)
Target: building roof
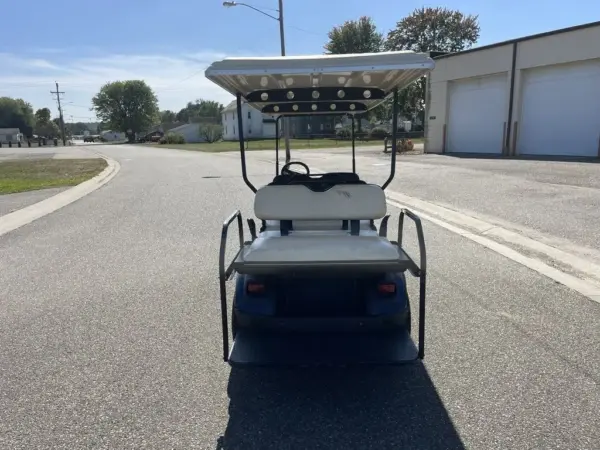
(521,39)
(183,127)
(10,131)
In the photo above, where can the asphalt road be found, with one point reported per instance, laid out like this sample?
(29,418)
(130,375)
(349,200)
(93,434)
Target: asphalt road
(109,337)
(556,198)
(19,200)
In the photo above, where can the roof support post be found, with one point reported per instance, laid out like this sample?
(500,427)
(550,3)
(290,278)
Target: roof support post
(394,137)
(241,139)
(277,145)
(353,147)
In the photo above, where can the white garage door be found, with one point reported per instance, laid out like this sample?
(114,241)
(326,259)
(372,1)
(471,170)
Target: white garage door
(477,112)
(560,110)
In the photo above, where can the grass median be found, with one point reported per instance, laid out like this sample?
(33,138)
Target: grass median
(34,174)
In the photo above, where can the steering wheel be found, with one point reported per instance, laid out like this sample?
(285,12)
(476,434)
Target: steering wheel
(285,169)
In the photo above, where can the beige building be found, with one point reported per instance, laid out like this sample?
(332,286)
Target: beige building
(537,95)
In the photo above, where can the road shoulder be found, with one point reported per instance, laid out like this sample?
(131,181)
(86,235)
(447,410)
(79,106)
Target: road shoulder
(16,219)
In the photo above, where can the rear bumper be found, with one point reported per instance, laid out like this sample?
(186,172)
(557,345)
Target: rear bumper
(391,322)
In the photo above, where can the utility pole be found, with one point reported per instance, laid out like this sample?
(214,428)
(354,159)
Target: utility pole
(62,122)
(279,18)
(286,120)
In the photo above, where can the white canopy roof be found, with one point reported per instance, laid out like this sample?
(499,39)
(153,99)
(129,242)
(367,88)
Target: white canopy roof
(378,73)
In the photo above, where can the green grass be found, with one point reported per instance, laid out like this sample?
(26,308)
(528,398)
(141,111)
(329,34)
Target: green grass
(269,144)
(34,174)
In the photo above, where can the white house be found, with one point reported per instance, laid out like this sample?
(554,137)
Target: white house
(536,95)
(10,135)
(256,125)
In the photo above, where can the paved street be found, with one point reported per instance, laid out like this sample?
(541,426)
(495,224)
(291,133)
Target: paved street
(560,200)
(110,332)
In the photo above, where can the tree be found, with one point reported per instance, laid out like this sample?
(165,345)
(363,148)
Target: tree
(167,116)
(16,113)
(434,29)
(202,110)
(355,36)
(48,129)
(426,30)
(43,115)
(127,105)
(44,125)
(78,128)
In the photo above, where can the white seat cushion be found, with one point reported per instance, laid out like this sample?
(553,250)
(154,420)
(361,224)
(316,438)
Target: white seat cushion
(341,202)
(319,246)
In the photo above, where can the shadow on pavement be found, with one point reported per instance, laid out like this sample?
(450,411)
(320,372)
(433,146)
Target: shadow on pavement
(336,409)
(524,157)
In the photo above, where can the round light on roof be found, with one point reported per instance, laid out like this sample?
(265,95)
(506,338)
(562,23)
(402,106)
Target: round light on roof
(264,96)
(314,107)
(276,108)
(367,94)
(367,78)
(352,106)
(289,81)
(315,94)
(341,94)
(332,106)
(264,81)
(295,107)
(290,95)
(341,80)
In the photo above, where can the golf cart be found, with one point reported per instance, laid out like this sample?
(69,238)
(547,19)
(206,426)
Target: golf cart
(319,283)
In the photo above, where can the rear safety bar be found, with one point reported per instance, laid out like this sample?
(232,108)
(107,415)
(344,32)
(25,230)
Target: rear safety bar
(421,273)
(225,273)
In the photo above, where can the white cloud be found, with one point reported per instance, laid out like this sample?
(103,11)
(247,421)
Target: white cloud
(176,79)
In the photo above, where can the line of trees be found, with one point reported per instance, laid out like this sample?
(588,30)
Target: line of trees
(426,29)
(18,113)
(132,107)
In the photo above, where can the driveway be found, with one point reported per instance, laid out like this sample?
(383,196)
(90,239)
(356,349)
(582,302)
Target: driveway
(109,335)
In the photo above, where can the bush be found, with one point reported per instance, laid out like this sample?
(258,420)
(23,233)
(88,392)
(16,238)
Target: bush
(343,133)
(172,138)
(211,132)
(378,133)
(405,145)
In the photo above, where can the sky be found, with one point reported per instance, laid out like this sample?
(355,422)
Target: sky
(169,44)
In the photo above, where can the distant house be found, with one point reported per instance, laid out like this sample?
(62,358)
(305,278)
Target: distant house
(113,135)
(189,131)
(256,124)
(13,135)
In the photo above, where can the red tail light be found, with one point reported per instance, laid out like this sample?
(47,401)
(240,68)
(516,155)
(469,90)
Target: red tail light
(255,288)
(386,288)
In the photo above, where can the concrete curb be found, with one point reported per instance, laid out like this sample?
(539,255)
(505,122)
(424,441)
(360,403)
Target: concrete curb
(16,219)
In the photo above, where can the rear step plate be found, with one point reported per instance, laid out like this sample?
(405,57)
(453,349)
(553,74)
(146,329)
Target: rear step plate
(321,349)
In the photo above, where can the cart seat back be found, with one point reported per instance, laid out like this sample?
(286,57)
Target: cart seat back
(298,207)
